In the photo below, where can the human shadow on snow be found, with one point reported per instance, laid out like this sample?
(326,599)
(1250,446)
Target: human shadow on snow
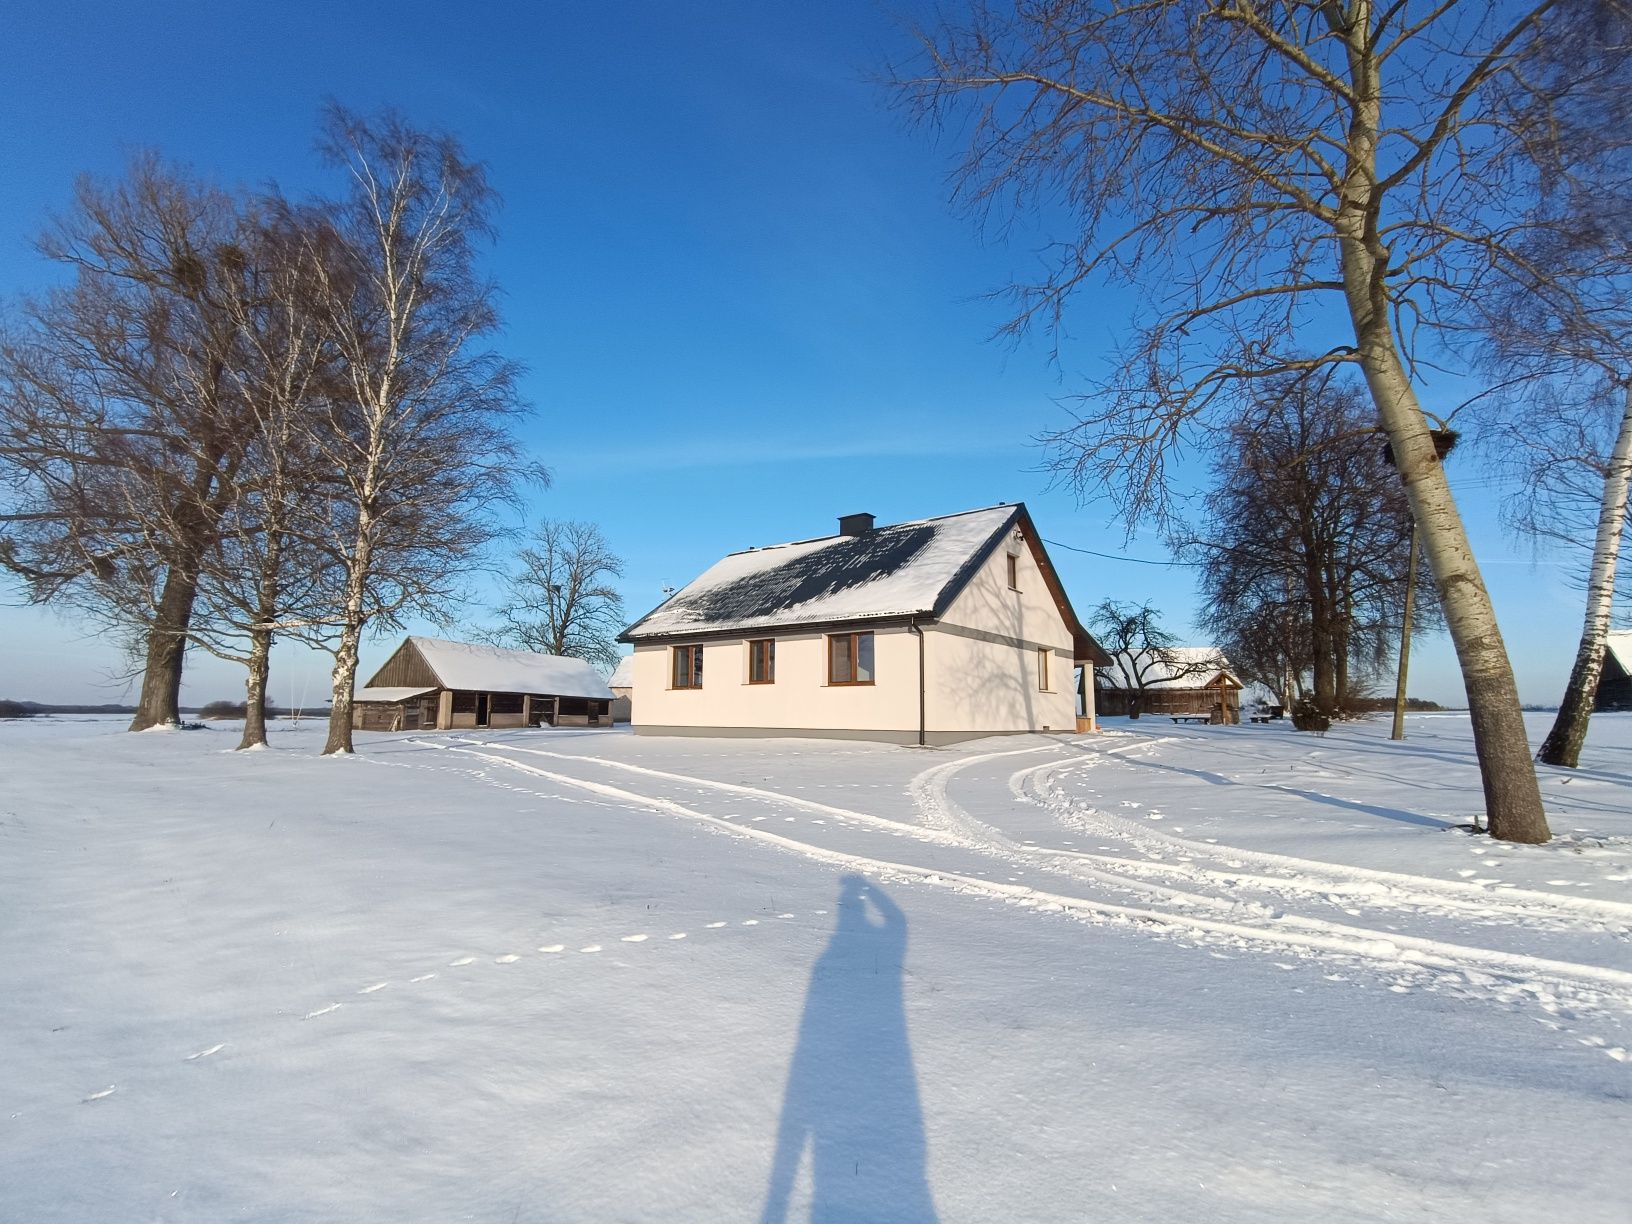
(852,1092)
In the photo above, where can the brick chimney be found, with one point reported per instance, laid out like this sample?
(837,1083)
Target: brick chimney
(855,524)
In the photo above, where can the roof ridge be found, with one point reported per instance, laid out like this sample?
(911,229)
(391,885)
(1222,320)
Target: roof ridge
(934,518)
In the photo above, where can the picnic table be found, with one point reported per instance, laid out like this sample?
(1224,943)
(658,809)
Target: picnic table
(1186,718)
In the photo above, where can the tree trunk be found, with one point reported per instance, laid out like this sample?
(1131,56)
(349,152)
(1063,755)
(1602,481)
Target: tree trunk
(1512,796)
(1513,808)
(351,636)
(260,661)
(267,596)
(160,702)
(1398,730)
(1563,743)
(1320,632)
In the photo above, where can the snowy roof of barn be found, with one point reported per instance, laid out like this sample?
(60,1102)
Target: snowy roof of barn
(388,694)
(623,675)
(903,570)
(1182,667)
(496,669)
(1619,644)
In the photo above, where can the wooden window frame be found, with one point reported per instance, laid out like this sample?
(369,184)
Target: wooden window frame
(693,671)
(1043,654)
(855,650)
(1014,571)
(767,648)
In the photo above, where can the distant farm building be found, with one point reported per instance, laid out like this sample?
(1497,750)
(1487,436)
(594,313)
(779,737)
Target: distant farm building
(1615,685)
(1174,680)
(430,684)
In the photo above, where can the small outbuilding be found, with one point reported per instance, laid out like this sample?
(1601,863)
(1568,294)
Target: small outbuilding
(1615,684)
(431,684)
(1175,680)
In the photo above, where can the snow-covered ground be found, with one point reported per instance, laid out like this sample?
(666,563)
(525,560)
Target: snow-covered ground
(1232,973)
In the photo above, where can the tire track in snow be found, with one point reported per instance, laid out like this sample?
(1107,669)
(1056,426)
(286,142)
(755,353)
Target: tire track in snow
(736,788)
(1525,902)
(1592,983)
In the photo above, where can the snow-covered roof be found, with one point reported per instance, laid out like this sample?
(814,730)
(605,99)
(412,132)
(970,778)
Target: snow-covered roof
(623,675)
(495,669)
(389,694)
(1175,667)
(1619,644)
(908,569)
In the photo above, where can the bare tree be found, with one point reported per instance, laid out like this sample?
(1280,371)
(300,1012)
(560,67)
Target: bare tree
(1143,653)
(267,571)
(561,599)
(120,432)
(1560,341)
(1240,163)
(1306,536)
(420,445)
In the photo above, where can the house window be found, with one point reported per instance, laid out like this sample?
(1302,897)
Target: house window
(762,661)
(1014,572)
(1042,668)
(850,658)
(688,667)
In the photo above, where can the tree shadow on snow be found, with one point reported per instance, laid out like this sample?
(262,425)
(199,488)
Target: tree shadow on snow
(852,1092)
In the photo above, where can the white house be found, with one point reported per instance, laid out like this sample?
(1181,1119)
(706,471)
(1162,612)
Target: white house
(928,632)
(430,683)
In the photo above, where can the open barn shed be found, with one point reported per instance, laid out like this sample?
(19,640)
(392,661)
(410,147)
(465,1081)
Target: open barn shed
(428,683)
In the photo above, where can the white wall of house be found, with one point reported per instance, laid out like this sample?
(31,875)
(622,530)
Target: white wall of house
(800,699)
(978,685)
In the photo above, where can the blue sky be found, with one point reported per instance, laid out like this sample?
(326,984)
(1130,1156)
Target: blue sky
(729,267)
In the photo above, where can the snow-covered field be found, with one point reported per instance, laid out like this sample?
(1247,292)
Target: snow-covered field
(1220,973)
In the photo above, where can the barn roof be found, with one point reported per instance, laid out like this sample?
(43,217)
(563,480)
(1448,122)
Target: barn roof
(623,675)
(1619,645)
(495,669)
(389,694)
(904,570)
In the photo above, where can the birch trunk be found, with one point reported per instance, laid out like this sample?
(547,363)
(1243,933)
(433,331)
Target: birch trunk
(351,635)
(1513,807)
(1563,743)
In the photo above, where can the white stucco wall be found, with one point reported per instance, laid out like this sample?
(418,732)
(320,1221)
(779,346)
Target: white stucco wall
(984,686)
(800,699)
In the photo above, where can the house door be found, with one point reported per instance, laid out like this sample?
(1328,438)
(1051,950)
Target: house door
(482,702)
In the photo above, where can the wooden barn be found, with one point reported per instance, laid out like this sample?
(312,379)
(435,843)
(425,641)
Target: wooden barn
(1615,685)
(1176,680)
(431,684)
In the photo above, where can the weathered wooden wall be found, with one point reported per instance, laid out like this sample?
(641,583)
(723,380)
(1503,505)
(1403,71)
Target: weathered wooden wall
(406,668)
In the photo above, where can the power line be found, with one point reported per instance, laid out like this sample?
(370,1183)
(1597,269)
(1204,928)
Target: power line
(1115,557)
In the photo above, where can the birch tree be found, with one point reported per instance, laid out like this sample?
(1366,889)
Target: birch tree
(1565,431)
(419,445)
(1560,339)
(266,571)
(1263,175)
